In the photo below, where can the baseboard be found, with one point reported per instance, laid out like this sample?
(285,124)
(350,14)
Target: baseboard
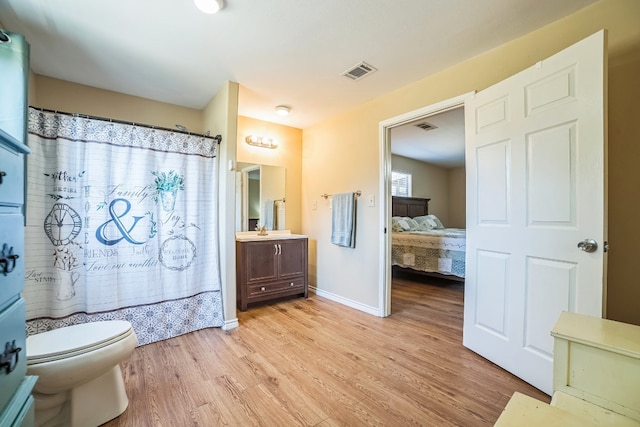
(345,301)
(230,324)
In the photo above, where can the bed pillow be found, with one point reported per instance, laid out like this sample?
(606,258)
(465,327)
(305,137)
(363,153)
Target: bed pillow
(436,220)
(403,224)
(430,222)
(425,222)
(395,225)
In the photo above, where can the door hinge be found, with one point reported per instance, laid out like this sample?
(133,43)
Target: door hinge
(606,246)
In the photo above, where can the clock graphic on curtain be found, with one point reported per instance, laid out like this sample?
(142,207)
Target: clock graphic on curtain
(62,225)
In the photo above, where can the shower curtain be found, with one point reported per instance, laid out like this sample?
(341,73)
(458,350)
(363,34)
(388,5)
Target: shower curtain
(121,224)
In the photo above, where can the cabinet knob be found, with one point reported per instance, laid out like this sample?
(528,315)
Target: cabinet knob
(2,175)
(263,288)
(291,284)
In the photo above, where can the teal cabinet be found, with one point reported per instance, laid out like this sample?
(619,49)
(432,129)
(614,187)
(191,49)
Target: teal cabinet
(16,402)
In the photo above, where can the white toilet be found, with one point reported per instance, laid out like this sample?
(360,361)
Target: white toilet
(80,382)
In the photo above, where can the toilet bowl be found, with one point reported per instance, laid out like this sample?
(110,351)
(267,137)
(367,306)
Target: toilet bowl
(79,378)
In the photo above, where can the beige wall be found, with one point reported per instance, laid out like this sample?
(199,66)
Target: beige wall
(457,198)
(428,181)
(349,145)
(288,154)
(221,117)
(54,94)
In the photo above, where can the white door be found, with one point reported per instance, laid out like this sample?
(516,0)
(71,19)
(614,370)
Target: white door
(535,157)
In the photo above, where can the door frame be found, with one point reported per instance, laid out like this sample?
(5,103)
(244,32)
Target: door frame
(244,195)
(385,126)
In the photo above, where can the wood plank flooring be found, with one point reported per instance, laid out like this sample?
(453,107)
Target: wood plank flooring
(315,362)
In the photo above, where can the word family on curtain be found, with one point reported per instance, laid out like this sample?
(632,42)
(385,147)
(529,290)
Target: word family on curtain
(121,225)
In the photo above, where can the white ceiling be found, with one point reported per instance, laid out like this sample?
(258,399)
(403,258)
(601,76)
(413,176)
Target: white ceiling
(442,145)
(290,52)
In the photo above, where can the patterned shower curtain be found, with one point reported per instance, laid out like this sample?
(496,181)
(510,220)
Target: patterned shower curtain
(121,224)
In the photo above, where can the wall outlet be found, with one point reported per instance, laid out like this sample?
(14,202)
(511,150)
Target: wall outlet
(314,205)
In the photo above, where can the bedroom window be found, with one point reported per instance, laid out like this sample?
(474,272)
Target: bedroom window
(400,184)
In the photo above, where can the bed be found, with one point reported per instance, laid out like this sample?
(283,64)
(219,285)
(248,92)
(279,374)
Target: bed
(421,244)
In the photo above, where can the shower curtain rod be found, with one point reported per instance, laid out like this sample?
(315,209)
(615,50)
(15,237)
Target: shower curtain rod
(217,138)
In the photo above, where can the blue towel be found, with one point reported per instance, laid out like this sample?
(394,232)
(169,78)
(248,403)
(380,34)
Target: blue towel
(343,220)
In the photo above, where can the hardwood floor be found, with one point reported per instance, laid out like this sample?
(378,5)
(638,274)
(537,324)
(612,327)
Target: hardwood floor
(315,362)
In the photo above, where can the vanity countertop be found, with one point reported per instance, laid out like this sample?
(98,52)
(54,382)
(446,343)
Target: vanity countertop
(249,236)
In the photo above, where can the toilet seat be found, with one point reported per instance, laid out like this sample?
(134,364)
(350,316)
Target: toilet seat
(75,340)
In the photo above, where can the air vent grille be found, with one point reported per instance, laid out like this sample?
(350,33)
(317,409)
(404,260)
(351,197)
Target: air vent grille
(359,71)
(425,126)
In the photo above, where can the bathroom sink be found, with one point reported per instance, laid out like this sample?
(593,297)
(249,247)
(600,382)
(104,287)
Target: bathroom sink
(246,236)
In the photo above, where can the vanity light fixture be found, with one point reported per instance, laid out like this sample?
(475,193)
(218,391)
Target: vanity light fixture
(260,141)
(283,110)
(209,6)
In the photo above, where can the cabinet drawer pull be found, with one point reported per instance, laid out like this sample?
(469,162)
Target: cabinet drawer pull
(2,175)
(9,359)
(263,288)
(291,284)
(7,259)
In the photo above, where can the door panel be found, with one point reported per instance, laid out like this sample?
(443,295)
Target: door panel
(535,188)
(493,183)
(292,262)
(491,309)
(550,286)
(260,261)
(551,164)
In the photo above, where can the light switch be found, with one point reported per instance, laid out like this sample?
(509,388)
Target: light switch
(372,200)
(314,205)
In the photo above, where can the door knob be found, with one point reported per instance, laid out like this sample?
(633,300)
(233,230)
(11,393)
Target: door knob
(588,245)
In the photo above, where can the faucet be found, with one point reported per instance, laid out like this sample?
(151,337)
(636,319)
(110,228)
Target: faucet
(262,231)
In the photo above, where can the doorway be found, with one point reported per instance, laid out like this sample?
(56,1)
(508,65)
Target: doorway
(386,128)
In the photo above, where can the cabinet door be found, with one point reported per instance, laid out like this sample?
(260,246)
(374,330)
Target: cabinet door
(293,257)
(260,261)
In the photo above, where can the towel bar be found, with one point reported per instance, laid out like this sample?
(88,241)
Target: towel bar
(358,193)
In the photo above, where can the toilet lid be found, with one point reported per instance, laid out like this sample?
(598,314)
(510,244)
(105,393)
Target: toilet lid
(76,339)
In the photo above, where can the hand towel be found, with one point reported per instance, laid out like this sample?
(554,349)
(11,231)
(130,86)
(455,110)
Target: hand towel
(267,214)
(343,220)
(279,213)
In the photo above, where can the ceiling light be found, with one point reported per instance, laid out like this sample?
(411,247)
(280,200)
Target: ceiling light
(283,110)
(209,6)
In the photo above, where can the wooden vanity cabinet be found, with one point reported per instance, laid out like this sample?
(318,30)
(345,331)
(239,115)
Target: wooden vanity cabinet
(270,269)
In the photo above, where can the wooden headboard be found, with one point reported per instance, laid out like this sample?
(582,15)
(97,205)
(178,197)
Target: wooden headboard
(409,206)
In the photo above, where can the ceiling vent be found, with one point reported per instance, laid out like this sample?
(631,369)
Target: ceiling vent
(425,126)
(359,71)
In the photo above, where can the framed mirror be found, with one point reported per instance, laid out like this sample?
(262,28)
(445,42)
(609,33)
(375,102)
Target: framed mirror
(260,197)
